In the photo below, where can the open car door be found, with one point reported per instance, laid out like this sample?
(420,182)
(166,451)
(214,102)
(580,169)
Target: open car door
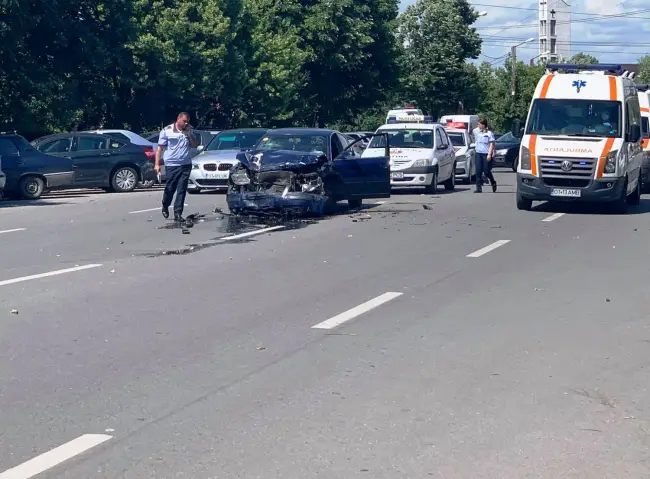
(371,176)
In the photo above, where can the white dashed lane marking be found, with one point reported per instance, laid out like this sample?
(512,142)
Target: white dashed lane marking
(553,217)
(487,249)
(55,457)
(47,275)
(356,311)
(13,230)
(148,210)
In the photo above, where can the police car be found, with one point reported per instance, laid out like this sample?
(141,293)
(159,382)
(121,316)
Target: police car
(421,153)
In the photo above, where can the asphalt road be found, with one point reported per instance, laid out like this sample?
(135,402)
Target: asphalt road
(447,337)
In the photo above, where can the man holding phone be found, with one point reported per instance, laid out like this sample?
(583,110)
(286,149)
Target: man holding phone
(174,145)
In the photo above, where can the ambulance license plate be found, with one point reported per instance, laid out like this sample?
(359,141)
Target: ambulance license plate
(397,175)
(565,192)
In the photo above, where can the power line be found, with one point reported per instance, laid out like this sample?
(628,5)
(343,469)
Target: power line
(627,15)
(632,12)
(508,27)
(593,43)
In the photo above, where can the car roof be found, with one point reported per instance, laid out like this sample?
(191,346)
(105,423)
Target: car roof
(296,131)
(69,133)
(456,130)
(408,126)
(241,130)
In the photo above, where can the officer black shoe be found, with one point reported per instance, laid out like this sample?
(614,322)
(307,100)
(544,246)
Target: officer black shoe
(478,190)
(179,218)
(165,212)
(494,187)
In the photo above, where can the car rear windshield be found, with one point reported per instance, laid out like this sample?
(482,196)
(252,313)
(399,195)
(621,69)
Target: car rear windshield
(234,140)
(457,139)
(404,139)
(599,118)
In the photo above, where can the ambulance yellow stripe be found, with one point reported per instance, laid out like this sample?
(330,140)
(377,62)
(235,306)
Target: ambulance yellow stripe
(613,90)
(533,155)
(546,85)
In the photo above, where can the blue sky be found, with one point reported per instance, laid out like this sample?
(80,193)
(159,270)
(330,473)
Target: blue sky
(620,40)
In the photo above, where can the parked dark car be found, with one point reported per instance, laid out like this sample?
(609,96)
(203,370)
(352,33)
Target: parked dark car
(30,173)
(506,151)
(100,161)
(305,170)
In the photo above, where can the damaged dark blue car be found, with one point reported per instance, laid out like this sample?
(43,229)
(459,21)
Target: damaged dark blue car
(305,171)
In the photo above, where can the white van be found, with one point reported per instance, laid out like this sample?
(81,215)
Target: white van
(421,153)
(401,112)
(582,139)
(644,103)
(461,122)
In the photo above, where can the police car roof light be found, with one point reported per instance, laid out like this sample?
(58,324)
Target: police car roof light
(642,88)
(411,119)
(574,67)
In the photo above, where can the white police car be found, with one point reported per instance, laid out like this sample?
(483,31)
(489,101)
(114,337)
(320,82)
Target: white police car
(421,153)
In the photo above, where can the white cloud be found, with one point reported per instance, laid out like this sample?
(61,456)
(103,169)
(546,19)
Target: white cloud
(611,40)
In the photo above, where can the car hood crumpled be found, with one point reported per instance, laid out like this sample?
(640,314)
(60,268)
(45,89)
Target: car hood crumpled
(281,160)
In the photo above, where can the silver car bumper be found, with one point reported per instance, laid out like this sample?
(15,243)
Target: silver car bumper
(208,180)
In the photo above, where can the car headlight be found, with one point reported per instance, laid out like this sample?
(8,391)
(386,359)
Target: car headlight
(503,152)
(240,178)
(195,166)
(421,163)
(524,158)
(610,163)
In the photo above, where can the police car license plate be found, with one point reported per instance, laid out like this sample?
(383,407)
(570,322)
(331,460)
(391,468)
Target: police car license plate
(397,175)
(217,176)
(565,192)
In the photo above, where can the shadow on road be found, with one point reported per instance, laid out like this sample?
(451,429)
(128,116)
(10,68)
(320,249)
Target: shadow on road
(590,208)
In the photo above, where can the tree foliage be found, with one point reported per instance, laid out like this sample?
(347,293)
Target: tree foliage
(78,64)
(583,59)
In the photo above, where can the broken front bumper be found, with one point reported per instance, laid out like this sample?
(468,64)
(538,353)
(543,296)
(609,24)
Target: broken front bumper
(260,202)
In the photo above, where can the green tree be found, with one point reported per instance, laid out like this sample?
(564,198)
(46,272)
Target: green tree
(582,59)
(644,69)
(438,39)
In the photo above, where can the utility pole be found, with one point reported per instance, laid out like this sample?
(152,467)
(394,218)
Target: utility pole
(513,68)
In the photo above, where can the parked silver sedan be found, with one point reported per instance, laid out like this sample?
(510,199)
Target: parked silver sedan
(211,167)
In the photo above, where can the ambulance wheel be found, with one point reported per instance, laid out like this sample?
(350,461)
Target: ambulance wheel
(523,204)
(515,163)
(635,198)
(355,203)
(450,184)
(620,205)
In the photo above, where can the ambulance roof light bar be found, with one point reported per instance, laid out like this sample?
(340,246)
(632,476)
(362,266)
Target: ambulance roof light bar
(642,88)
(575,68)
(410,119)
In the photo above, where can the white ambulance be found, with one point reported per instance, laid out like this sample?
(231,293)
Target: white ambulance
(421,153)
(582,139)
(407,110)
(463,122)
(644,102)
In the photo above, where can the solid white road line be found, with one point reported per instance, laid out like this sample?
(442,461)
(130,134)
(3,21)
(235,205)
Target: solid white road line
(251,233)
(487,249)
(553,217)
(148,210)
(55,457)
(380,202)
(13,230)
(48,274)
(356,311)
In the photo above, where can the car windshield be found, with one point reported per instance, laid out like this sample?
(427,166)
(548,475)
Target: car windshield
(507,138)
(295,142)
(599,118)
(457,139)
(645,126)
(234,140)
(404,139)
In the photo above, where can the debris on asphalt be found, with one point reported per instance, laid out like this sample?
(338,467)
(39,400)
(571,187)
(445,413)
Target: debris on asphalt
(427,207)
(112,271)
(260,348)
(607,300)
(185,231)
(14,311)
(121,242)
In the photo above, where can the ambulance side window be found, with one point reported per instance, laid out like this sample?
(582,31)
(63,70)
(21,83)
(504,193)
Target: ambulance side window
(633,113)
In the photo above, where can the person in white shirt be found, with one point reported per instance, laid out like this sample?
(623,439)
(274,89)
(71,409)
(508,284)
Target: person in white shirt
(484,156)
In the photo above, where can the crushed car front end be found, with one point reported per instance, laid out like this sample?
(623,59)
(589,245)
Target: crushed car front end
(279,182)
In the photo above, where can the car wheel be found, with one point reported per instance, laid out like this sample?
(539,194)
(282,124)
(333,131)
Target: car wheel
(433,187)
(523,204)
(31,187)
(124,180)
(450,184)
(515,163)
(356,203)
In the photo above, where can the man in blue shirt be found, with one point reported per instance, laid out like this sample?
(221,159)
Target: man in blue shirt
(484,139)
(174,145)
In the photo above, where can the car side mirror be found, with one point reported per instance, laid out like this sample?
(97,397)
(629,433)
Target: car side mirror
(635,133)
(517,129)
(200,148)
